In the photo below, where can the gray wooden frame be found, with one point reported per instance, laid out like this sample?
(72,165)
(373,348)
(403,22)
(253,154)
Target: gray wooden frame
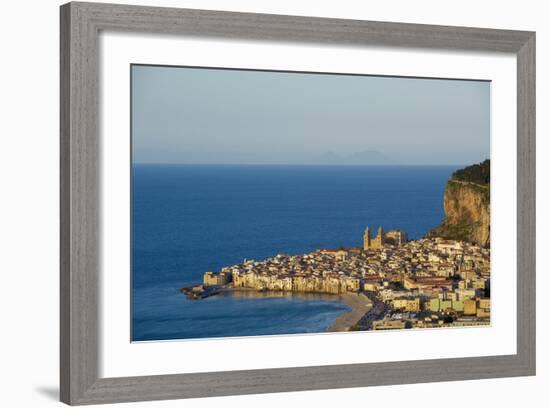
(80,157)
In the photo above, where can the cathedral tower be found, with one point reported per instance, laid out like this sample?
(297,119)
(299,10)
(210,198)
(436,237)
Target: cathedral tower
(379,240)
(366,239)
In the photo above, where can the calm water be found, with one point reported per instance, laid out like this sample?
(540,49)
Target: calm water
(190,219)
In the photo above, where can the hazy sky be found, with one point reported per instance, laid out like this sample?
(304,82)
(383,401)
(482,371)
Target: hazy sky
(188,115)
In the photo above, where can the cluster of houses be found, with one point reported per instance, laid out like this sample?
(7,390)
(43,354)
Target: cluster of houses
(424,283)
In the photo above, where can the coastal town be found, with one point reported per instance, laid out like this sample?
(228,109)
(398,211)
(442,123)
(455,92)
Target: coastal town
(390,282)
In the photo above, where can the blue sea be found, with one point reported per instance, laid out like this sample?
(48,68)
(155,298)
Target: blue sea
(189,219)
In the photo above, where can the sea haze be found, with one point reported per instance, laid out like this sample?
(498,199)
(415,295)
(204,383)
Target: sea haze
(189,219)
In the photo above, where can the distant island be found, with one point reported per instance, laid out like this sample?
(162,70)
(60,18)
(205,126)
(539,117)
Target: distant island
(389,282)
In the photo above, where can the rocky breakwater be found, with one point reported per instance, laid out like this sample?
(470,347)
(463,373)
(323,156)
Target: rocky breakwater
(200,291)
(467,206)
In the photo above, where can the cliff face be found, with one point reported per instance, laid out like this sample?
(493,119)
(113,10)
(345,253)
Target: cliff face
(467,210)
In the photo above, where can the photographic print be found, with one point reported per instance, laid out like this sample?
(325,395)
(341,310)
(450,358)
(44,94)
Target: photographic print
(279,202)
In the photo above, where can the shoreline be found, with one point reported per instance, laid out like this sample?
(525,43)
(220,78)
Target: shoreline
(360,304)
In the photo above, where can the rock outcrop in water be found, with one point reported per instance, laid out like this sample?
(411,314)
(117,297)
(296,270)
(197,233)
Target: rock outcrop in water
(466,203)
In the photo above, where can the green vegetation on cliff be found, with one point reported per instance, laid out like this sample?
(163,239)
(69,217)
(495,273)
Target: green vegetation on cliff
(467,206)
(477,173)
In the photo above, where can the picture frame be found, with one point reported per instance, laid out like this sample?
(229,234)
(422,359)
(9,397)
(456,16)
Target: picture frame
(80,153)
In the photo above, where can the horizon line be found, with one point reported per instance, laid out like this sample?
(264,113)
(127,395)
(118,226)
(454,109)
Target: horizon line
(296,164)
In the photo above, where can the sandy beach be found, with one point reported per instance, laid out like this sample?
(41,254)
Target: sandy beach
(359,303)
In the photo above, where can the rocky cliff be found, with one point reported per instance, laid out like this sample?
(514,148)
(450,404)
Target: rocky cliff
(466,204)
